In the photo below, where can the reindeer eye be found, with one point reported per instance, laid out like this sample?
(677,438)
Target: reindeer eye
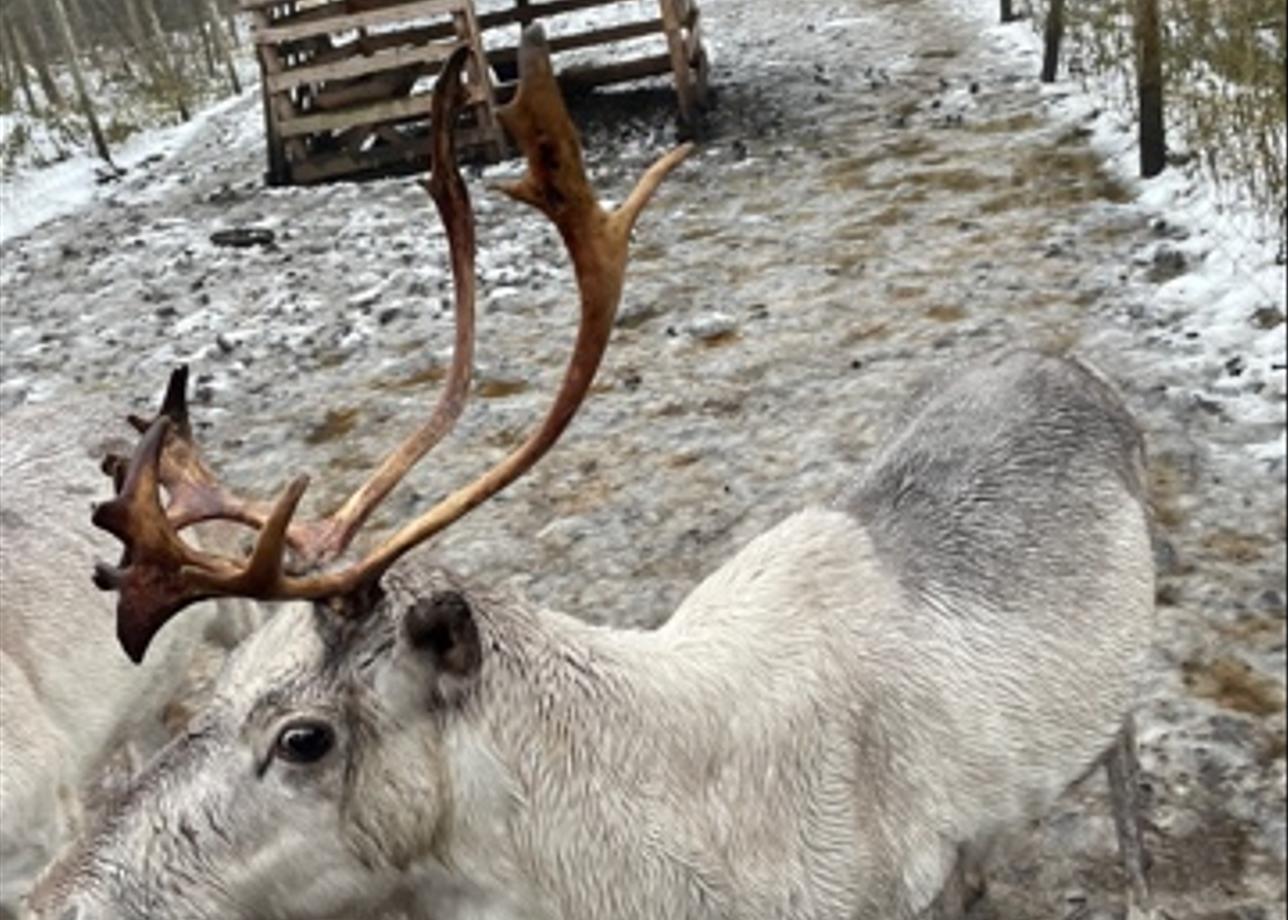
(305,742)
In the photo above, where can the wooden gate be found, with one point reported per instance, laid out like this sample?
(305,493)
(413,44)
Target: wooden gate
(346,83)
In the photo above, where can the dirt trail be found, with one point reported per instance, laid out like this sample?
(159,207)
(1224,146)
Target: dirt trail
(878,196)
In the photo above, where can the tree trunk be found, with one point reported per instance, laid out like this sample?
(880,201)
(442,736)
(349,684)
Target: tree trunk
(207,49)
(123,60)
(165,59)
(139,39)
(84,37)
(1008,11)
(221,46)
(32,38)
(20,65)
(1149,88)
(64,30)
(7,75)
(1054,35)
(231,14)
(118,38)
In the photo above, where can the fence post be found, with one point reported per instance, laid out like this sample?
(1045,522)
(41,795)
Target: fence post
(1149,87)
(1054,35)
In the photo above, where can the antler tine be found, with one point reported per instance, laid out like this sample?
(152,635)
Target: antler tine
(160,574)
(328,538)
(597,241)
(164,574)
(195,492)
(150,579)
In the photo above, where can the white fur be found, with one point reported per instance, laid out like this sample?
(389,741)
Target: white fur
(75,709)
(857,697)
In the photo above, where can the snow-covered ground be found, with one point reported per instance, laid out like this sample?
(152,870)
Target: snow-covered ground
(884,190)
(32,196)
(1227,259)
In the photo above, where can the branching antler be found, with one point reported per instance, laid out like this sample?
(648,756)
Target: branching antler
(195,492)
(161,573)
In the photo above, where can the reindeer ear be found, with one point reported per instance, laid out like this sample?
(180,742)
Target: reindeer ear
(441,627)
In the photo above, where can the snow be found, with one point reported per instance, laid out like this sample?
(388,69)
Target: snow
(1233,256)
(32,197)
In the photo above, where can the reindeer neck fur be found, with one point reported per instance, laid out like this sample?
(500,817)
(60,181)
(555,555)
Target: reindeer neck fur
(604,772)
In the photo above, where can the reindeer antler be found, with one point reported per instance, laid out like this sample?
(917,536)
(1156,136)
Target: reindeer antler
(160,573)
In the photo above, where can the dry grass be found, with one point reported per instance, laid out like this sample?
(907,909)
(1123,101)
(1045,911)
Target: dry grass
(1225,83)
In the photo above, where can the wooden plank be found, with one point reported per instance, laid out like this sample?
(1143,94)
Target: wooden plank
(278,107)
(390,110)
(335,8)
(410,156)
(359,65)
(680,58)
(498,19)
(698,57)
(621,72)
(535,11)
(479,76)
(307,6)
(374,43)
(269,60)
(693,41)
(293,31)
(344,94)
(606,36)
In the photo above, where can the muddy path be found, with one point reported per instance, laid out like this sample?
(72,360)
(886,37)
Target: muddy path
(877,196)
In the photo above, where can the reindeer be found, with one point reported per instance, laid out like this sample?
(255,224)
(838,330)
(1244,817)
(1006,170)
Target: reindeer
(75,721)
(835,724)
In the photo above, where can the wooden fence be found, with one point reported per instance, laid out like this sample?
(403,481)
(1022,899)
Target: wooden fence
(346,83)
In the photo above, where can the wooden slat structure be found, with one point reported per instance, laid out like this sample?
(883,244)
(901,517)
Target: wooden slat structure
(346,83)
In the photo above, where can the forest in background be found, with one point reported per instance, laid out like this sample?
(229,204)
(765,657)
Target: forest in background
(82,73)
(1224,80)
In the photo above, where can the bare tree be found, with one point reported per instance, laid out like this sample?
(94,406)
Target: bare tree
(86,39)
(1054,35)
(1149,87)
(27,25)
(211,15)
(145,28)
(170,63)
(230,14)
(14,42)
(6,62)
(207,49)
(64,30)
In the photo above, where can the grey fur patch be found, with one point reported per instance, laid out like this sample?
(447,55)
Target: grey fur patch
(979,496)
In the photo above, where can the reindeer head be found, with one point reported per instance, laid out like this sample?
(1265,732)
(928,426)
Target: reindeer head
(255,812)
(323,780)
